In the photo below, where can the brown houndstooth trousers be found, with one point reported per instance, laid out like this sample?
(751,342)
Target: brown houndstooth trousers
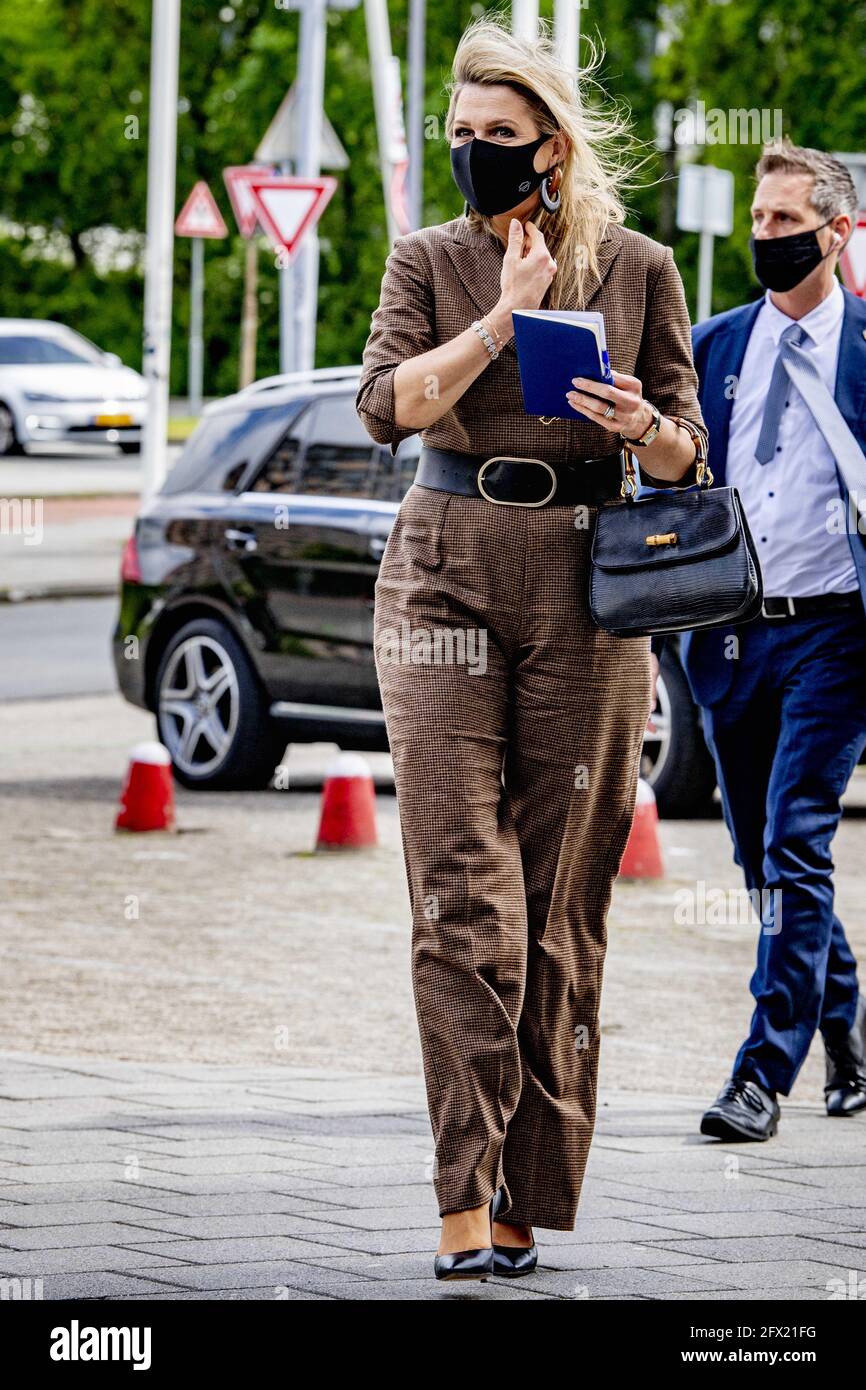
(515,726)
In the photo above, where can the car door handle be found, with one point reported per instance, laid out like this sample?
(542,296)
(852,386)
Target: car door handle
(237,539)
(376,546)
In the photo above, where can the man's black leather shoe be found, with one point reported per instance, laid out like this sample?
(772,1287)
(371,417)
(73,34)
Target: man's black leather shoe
(742,1111)
(511,1261)
(467,1264)
(845,1091)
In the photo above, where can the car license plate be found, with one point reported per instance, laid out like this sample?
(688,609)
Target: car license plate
(112,421)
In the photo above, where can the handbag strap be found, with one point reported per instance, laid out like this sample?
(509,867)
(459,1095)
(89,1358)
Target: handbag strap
(629,486)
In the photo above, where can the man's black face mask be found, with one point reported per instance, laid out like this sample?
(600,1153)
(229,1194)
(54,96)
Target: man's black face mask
(781,262)
(493,177)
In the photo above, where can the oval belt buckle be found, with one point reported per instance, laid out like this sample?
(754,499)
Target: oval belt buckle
(509,458)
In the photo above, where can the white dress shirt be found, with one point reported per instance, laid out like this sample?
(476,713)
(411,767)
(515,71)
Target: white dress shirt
(785,500)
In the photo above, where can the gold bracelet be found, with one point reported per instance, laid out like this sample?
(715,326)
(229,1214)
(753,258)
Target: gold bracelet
(500,341)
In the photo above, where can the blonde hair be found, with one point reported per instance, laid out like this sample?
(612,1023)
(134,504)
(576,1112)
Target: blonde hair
(595,168)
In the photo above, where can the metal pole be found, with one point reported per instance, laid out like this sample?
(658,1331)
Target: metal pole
(310,106)
(159,254)
(379,46)
(566,29)
(249,314)
(196,325)
(705,276)
(415,111)
(524,19)
(285,275)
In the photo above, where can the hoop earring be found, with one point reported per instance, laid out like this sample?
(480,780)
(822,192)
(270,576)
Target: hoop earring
(551,204)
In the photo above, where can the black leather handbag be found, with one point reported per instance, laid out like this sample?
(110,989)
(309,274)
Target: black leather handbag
(676,559)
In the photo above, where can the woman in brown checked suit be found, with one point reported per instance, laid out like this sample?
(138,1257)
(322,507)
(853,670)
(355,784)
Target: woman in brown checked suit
(515,724)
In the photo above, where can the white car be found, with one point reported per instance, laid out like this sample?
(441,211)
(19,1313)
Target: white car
(56,386)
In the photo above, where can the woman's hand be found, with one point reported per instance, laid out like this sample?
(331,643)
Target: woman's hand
(527,268)
(632,415)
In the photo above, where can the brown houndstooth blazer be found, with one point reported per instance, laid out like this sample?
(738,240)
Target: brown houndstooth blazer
(439,279)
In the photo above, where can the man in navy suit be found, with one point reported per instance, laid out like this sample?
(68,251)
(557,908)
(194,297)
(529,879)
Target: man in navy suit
(783,697)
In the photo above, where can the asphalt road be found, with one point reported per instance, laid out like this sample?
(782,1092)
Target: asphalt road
(212,944)
(56,648)
(75,469)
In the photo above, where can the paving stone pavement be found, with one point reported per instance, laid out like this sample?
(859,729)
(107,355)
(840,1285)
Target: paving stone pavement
(126,1180)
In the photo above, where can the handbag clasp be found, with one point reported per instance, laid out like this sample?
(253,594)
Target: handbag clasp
(667,538)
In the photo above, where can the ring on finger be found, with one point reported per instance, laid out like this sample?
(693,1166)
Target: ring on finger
(610,413)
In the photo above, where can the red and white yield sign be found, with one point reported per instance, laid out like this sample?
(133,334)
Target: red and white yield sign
(287,206)
(852,262)
(237,180)
(200,215)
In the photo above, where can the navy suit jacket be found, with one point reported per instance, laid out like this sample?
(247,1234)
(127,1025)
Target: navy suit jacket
(719,345)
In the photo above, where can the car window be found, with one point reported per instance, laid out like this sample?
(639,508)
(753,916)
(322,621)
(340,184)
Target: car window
(395,473)
(221,449)
(384,484)
(279,472)
(340,455)
(406,460)
(26,349)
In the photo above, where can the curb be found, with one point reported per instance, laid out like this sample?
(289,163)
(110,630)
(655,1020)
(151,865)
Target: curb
(60,591)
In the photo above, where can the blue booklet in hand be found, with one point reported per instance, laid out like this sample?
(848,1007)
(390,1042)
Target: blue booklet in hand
(554,345)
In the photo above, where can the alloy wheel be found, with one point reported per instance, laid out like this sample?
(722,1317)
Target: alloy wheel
(199,705)
(657,738)
(7,429)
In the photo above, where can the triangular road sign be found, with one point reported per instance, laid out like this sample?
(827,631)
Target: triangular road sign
(853,259)
(237,181)
(279,141)
(287,206)
(200,215)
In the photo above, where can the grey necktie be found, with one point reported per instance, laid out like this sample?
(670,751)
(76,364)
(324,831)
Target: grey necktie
(780,385)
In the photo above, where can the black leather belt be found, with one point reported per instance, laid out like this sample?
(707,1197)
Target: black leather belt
(805,607)
(514,481)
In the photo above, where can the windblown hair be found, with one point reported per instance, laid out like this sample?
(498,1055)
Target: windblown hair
(597,165)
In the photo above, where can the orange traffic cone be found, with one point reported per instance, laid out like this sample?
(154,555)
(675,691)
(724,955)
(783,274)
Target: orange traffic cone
(348,818)
(643,856)
(147,798)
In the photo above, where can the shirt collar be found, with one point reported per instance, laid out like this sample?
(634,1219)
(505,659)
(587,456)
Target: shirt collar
(819,323)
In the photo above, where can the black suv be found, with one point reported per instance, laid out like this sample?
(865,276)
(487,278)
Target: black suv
(246,613)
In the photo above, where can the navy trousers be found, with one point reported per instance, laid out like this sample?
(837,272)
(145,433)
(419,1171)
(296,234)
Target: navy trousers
(785,741)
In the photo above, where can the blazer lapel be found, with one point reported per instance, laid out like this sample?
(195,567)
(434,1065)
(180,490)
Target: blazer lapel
(850,396)
(725,360)
(477,257)
(850,390)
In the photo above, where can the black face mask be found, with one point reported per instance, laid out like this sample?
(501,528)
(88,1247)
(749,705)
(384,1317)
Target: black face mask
(781,262)
(493,177)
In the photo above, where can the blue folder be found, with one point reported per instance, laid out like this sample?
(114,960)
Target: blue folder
(554,345)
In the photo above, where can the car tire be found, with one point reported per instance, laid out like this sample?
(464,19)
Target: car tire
(130,448)
(9,442)
(677,763)
(238,745)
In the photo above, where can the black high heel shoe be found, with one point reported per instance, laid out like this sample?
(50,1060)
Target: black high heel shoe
(467,1264)
(511,1261)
